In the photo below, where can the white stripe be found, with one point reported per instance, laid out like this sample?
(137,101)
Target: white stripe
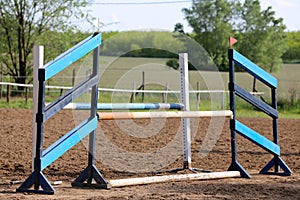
(148,115)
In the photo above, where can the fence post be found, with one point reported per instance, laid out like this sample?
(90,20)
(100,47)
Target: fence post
(222,100)
(8,93)
(165,94)
(26,95)
(198,96)
(143,86)
(48,90)
(1,79)
(88,72)
(132,98)
(73,78)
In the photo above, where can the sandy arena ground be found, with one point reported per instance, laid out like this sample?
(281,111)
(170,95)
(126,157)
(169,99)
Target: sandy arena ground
(15,163)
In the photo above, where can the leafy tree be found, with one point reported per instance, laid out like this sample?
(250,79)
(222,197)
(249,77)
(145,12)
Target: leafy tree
(197,56)
(293,44)
(22,22)
(142,44)
(211,22)
(58,42)
(261,36)
(178,28)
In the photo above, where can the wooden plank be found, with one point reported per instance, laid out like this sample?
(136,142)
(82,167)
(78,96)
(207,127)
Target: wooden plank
(148,115)
(257,138)
(69,96)
(66,142)
(167,178)
(72,55)
(253,69)
(247,96)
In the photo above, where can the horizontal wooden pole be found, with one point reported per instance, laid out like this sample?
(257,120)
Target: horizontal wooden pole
(177,177)
(126,106)
(148,115)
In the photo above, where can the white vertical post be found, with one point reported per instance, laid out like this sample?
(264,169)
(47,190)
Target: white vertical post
(132,99)
(38,61)
(185,100)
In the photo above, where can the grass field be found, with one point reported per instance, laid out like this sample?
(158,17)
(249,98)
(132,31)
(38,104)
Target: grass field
(156,71)
(126,73)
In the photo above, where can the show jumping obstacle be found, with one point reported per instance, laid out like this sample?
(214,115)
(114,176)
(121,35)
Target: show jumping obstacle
(272,147)
(43,158)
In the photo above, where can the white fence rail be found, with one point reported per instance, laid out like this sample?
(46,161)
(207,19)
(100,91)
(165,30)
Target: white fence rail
(119,90)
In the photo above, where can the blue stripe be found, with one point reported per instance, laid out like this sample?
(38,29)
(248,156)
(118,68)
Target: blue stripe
(72,55)
(254,70)
(66,142)
(257,138)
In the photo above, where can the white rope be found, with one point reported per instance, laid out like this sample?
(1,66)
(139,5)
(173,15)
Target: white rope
(126,90)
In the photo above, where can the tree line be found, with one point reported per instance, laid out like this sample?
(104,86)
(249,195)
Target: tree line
(261,36)
(292,53)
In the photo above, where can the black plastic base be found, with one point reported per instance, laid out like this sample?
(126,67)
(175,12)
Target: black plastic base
(236,166)
(278,164)
(39,182)
(87,176)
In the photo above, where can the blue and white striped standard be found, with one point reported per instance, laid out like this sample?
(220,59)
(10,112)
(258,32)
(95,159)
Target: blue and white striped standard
(126,106)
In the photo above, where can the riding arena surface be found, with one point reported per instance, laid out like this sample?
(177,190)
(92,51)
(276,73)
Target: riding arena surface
(16,144)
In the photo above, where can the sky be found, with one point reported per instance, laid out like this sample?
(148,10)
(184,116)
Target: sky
(124,17)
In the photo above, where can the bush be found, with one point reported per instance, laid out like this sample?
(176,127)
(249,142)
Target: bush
(287,105)
(173,63)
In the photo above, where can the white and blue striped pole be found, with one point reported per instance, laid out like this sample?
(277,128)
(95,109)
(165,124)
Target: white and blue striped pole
(126,106)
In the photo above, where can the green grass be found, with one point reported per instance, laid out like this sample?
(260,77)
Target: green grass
(124,73)
(16,103)
(243,109)
(250,113)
